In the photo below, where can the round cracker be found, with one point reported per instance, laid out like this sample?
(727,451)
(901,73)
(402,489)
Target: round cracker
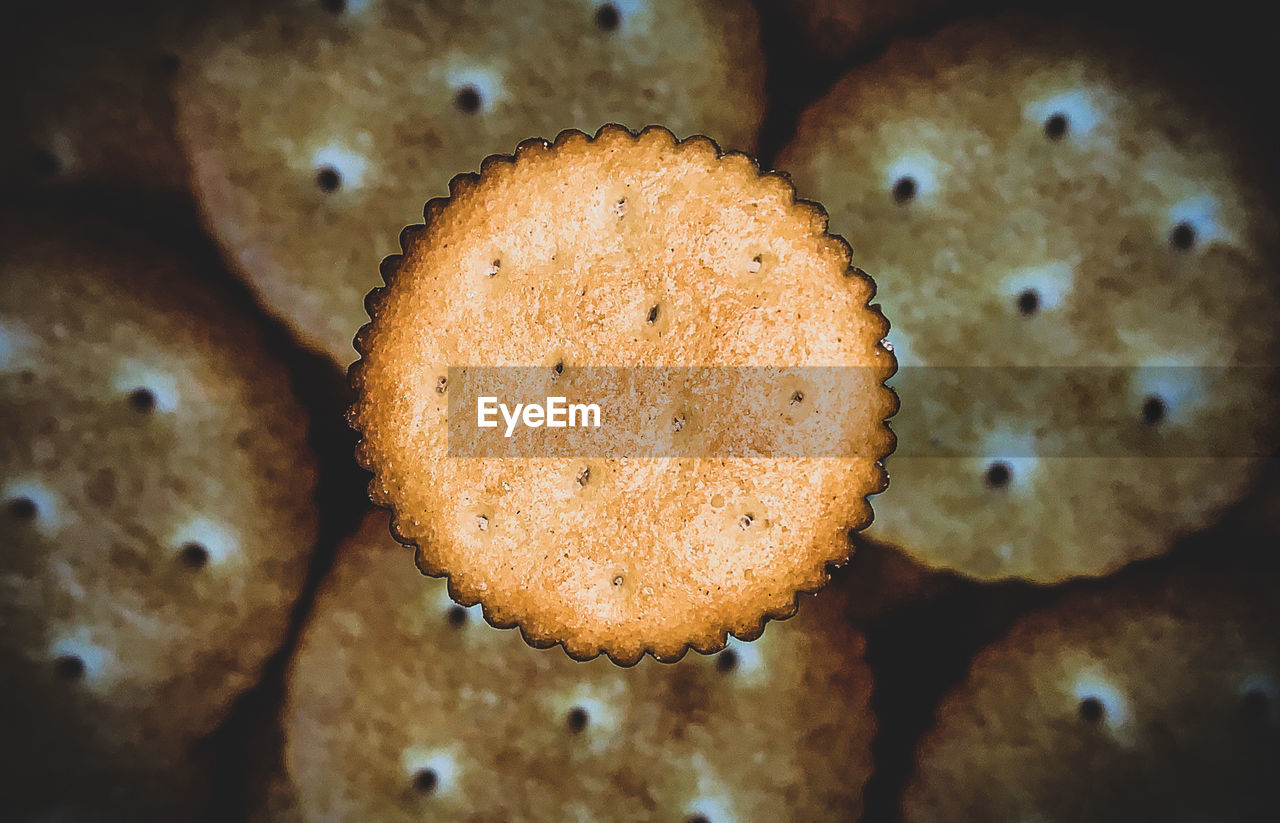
(1146,699)
(404,705)
(1032,194)
(652,554)
(314,135)
(157,494)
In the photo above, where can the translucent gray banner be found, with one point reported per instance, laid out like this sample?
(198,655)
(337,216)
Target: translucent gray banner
(778,412)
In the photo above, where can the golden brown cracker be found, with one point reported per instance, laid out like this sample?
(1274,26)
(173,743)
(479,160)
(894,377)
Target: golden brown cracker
(532,263)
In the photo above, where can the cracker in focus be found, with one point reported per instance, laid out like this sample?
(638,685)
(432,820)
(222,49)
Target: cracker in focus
(557,257)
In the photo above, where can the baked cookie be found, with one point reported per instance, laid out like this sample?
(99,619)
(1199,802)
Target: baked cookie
(316,130)
(1152,698)
(86,95)
(1080,267)
(620,251)
(403,705)
(156,495)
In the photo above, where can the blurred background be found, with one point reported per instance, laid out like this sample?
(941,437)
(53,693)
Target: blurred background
(133,115)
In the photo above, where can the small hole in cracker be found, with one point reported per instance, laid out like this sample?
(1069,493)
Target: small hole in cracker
(559,367)
(745,521)
(328,180)
(22,508)
(1056,126)
(797,398)
(457,616)
(425,780)
(482,523)
(998,475)
(1091,710)
(1153,410)
(576,719)
(677,423)
(726,661)
(904,190)
(618,580)
(755,264)
(607,17)
(1182,237)
(194,556)
(653,315)
(1029,302)
(142,401)
(698,818)
(45,163)
(68,667)
(494,265)
(620,207)
(467,100)
(442,385)
(584,475)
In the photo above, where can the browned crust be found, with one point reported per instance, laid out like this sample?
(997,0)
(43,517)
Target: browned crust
(390,269)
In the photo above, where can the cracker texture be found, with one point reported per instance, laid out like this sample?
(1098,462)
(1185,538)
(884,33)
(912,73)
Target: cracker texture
(313,136)
(390,682)
(1040,195)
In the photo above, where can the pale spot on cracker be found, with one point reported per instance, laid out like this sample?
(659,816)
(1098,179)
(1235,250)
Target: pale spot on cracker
(633,15)
(1090,688)
(43,504)
(132,375)
(922,172)
(1177,384)
(442,763)
(447,607)
(1203,215)
(748,660)
(596,709)
(484,81)
(1049,282)
(1079,107)
(97,663)
(712,802)
(218,541)
(350,166)
(1016,451)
